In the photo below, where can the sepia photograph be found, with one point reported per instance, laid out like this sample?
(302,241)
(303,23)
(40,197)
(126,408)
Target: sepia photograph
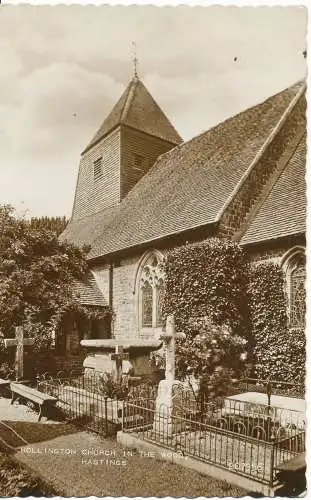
(153,250)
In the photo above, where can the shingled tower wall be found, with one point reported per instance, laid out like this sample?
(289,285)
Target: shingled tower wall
(125,147)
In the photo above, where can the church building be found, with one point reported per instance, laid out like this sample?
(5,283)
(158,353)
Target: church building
(142,190)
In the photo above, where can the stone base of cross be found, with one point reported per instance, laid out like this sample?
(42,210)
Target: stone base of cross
(19,342)
(119,356)
(163,421)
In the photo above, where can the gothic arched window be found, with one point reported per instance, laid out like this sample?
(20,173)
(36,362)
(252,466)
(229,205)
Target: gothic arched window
(146,304)
(151,288)
(296,276)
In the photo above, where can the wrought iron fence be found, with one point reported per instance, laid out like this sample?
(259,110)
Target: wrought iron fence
(89,402)
(278,387)
(81,401)
(250,441)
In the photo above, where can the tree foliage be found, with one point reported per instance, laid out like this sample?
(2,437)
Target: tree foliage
(37,273)
(54,224)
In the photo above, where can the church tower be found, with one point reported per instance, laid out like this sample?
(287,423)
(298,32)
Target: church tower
(132,137)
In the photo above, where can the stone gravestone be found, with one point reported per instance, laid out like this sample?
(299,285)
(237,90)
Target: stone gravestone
(19,342)
(164,411)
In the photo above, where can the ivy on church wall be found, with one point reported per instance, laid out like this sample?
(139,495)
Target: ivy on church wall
(207,279)
(279,352)
(205,289)
(212,288)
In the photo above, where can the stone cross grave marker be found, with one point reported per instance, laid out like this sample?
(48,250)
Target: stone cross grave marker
(170,336)
(118,356)
(163,422)
(19,342)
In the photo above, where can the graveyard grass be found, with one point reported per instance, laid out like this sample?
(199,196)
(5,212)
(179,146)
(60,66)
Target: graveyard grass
(17,481)
(163,479)
(142,476)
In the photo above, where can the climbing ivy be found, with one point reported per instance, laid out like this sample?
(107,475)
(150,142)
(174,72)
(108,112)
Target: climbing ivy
(227,307)
(205,289)
(279,352)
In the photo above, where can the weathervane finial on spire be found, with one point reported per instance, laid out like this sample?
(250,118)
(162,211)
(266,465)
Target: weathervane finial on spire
(135,60)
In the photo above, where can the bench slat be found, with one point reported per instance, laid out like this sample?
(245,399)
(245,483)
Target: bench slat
(33,394)
(4,382)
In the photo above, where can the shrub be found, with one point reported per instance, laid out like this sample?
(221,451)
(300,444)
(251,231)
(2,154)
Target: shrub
(214,356)
(114,389)
(7,371)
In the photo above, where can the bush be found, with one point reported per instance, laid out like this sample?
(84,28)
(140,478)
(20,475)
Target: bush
(114,389)
(17,481)
(214,356)
(7,371)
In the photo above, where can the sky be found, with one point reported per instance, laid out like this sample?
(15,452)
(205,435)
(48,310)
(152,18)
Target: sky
(63,68)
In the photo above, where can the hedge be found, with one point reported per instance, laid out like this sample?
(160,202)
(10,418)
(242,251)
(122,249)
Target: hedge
(213,280)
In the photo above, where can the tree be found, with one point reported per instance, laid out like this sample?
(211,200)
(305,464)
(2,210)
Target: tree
(37,274)
(55,224)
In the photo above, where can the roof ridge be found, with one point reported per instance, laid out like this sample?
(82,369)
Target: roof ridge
(186,143)
(213,164)
(129,99)
(232,117)
(268,141)
(125,113)
(266,192)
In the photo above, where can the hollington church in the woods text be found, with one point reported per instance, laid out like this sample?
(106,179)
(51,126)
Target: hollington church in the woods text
(141,190)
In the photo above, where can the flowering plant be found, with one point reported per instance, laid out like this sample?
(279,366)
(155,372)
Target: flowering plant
(213,355)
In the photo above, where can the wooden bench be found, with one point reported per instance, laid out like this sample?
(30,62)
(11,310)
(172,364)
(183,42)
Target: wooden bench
(45,401)
(4,386)
(4,383)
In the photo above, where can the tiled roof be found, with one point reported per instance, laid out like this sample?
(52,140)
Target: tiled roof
(86,230)
(137,108)
(188,186)
(284,211)
(88,292)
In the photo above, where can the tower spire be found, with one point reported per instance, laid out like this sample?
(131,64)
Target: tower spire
(135,60)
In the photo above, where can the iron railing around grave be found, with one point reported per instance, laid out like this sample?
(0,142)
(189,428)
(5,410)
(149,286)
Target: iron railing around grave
(81,402)
(251,441)
(84,400)
(278,387)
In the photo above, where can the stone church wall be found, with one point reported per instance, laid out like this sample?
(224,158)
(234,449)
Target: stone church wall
(101,274)
(124,299)
(274,254)
(124,323)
